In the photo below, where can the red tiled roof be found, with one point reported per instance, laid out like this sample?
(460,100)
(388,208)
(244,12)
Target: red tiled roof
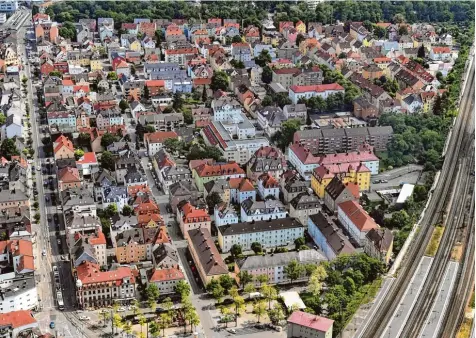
(329,171)
(88,158)
(305,156)
(311,321)
(316,88)
(181,51)
(155,83)
(62,141)
(353,188)
(357,215)
(26,262)
(269,181)
(191,214)
(160,136)
(17,319)
(135,190)
(441,50)
(69,175)
(382,60)
(163,275)
(89,273)
(231,168)
(99,239)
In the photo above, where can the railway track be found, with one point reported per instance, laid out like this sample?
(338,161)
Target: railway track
(440,197)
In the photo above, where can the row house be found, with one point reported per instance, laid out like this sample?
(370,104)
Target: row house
(262,210)
(206,172)
(167,170)
(288,77)
(189,217)
(179,55)
(306,92)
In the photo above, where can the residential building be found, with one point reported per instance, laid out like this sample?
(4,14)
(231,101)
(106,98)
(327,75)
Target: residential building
(355,220)
(219,186)
(338,192)
(241,189)
(379,244)
(63,148)
(268,186)
(205,173)
(364,109)
(168,172)
(267,159)
(329,141)
(292,184)
(162,122)
(182,191)
(131,246)
(305,162)
(296,92)
(328,236)
(68,177)
(190,217)
(288,77)
(155,141)
(102,288)
(205,255)
(17,294)
(225,214)
(356,173)
(295,111)
(304,205)
(440,53)
(306,325)
(166,279)
(269,233)
(17,324)
(13,127)
(270,119)
(226,108)
(274,265)
(262,210)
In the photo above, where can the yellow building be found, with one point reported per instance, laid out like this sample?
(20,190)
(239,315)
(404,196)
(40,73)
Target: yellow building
(131,247)
(135,46)
(356,173)
(96,64)
(301,27)
(270,39)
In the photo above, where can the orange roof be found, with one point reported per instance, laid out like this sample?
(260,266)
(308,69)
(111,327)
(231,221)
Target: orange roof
(231,168)
(88,158)
(89,273)
(146,218)
(196,163)
(155,83)
(382,60)
(357,215)
(135,190)
(190,213)
(160,136)
(383,24)
(68,82)
(17,319)
(441,50)
(268,181)
(181,51)
(99,239)
(241,184)
(329,171)
(69,175)
(18,247)
(162,236)
(163,275)
(353,188)
(26,262)
(84,88)
(61,142)
(202,81)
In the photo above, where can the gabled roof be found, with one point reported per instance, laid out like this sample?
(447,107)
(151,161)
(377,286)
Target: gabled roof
(358,216)
(311,321)
(208,256)
(164,275)
(17,319)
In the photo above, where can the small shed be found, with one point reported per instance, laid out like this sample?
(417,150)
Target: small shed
(292,299)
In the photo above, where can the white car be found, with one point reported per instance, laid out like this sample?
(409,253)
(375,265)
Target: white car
(121,309)
(84,318)
(232,331)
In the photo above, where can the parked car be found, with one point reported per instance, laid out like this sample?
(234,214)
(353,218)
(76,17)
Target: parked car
(84,318)
(121,309)
(52,325)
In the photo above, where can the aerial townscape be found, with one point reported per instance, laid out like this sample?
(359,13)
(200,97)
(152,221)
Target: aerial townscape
(216,169)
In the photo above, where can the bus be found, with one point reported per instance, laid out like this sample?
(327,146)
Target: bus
(59,299)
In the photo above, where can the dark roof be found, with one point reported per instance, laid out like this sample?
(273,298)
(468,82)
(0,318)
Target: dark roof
(208,255)
(381,238)
(260,226)
(333,235)
(335,188)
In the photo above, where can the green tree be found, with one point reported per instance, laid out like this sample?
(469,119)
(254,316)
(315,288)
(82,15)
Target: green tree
(421,52)
(173,145)
(262,279)
(249,289)
(263,58)
(112,76)
(183,289)
(159,36)
(107,161)
(299,242)
(165,320)
(123,105)
(245,277)
(316,280)
(3,119)
(127,210)
(84,139)
(151,294)
(154,329)
(226,314)
(270,293)
(256,247)
(399,220)
(236,39)
(178,101)
(213,199)
(146,93)
(235,250)
(310,268)
(226,282)
(267,101)
(78,153)
(68,31)
(149,128)
(284,137)
(215,290)
(204,94)
(379,32)
(239,304)
(294,270)
(259,309)
(56,73)
(8,148)
(219,81)
(403,30)
(107,139)
(267,75)
(277,314)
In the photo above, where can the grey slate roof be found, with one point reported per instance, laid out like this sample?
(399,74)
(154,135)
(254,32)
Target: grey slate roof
(260,226)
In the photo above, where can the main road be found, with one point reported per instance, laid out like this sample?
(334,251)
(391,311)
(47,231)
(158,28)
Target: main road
(433,214)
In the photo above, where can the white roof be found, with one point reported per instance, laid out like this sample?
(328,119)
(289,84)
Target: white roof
(292,298)
(405,192)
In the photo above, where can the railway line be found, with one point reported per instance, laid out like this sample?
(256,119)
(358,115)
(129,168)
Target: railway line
(442,194)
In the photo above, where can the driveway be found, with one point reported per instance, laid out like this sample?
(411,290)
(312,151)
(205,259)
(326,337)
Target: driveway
(408,174)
